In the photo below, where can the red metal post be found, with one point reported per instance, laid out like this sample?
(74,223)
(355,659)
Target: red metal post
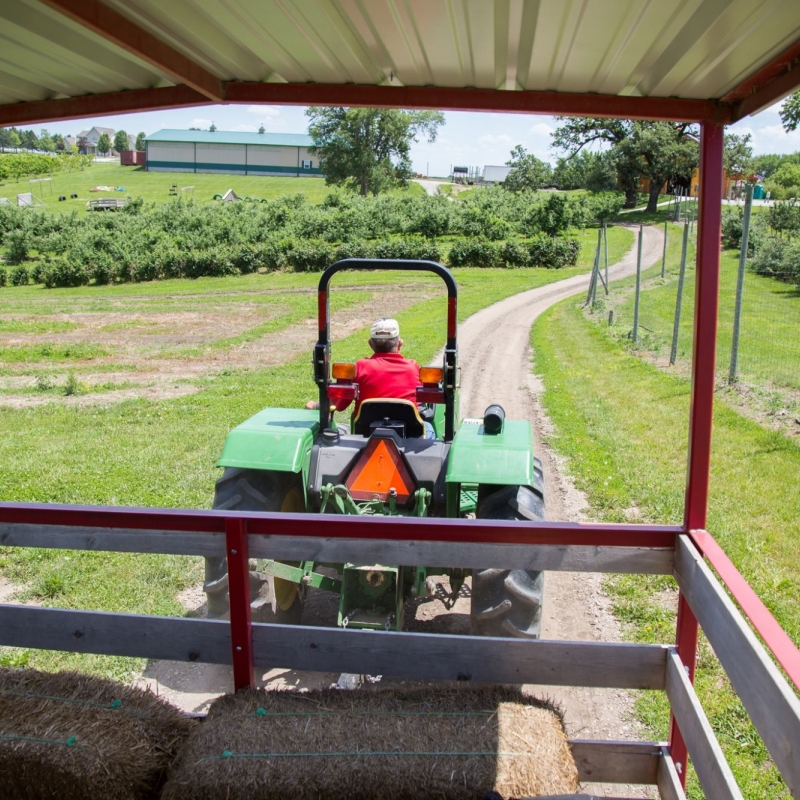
(703,381)
(239,596)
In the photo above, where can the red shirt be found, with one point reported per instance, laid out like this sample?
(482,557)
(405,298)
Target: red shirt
(385,375)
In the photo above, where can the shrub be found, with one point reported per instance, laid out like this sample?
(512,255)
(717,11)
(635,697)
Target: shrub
(515,254)
(37,272)
(3,277)
(18,246)
(19,276)
(61,271)
(474,253)
(553,253)
(310,256)
(778,258)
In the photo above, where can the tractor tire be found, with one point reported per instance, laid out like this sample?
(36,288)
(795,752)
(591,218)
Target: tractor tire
(271,599)
(508,602)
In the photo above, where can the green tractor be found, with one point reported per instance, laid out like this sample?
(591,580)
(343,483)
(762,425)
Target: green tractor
(296,460)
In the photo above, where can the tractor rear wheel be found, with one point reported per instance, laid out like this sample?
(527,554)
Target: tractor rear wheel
(508,602)
(273,599)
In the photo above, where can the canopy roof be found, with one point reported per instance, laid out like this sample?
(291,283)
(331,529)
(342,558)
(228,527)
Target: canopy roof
(712,60)
(232,137)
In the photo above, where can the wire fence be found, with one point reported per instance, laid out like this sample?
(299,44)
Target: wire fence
(767,359)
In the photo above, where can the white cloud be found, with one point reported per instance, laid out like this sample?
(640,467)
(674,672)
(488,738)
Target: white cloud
(264,111)
(541,129)
(491,139)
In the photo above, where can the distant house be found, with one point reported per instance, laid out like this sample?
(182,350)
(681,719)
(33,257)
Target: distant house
(87,141)
(231,152)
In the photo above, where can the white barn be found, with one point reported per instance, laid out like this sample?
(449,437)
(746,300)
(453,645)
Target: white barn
(284,154)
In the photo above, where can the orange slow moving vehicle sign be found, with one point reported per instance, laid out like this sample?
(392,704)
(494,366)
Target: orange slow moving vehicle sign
(379,470)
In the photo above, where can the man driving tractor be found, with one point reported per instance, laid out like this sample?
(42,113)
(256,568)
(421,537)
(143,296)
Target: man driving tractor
(386,373)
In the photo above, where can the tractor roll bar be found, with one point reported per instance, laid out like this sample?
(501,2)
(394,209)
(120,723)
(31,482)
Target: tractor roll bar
(322,349)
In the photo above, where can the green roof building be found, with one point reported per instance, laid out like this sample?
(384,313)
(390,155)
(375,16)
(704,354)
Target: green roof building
(284,154)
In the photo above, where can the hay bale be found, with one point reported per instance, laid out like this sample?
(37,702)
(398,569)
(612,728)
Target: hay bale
(382,745)
(71,736)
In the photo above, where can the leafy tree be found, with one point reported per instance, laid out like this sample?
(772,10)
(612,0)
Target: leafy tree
(121,142)
(103,144)
(738,155)
(59,142)
(786,175)
(140,141)
(28,140)
(657,151)
(528,173)
(46,143)
(596,172)
(5,139)
(367,149)
(764,166)
(790,112)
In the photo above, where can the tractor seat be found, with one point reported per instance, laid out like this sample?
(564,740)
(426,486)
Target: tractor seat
(401,416)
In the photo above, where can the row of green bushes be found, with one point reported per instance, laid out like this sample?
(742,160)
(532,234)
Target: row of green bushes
(79,268)
(492,214)
(14,166)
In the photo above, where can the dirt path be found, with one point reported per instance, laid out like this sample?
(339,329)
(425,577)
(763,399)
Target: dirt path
(495,359)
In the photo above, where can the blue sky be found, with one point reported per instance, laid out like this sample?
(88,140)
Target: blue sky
(468,138)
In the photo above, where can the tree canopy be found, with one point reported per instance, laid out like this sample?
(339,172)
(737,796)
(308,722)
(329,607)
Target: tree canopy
(367,149)
(528,173)
(738,155)
(790,112)
(655,151)
(121,141)
(103,143)
(140,141)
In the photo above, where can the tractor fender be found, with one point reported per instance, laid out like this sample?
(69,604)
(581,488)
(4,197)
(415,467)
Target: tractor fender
(275,439)
(500,459)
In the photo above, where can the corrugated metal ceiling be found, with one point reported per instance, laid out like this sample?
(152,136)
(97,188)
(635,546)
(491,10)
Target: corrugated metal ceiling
(651,48)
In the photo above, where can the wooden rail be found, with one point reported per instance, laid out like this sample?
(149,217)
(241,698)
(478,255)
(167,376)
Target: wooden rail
(768,698)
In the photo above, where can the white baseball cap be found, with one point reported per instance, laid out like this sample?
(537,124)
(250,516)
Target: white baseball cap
(384,329)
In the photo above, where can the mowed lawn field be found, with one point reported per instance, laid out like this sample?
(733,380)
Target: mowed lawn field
(155,186)
(124,395)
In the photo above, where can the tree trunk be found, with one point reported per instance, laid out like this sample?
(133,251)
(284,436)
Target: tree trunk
(630,196)
(363,181)
(652,202)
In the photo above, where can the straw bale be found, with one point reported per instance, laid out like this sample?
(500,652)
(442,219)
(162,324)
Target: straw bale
(386,744)
(71,736)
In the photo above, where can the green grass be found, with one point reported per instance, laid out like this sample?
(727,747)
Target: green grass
(770,320)
(51,352)
(620,240)
(147,453)
(623,425)
(155,186)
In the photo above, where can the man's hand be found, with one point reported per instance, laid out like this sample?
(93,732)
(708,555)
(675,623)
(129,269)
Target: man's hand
(312,405)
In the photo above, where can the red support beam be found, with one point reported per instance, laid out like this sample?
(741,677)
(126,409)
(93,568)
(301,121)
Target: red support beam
(701,413)
(775,637)
(239,600)
(345,527)
(771,70)
(94,105)
(775,90)
(124,33)
(465,99)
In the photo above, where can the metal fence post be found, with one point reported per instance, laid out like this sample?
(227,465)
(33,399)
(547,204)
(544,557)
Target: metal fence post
(592,294)
(737,311)
(673,354)
(638,287)
(605,241)
(664,255)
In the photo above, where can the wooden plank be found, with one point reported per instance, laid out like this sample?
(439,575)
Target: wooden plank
(572,558)
(118,540)
(171,638)
(707,757)
(410,655)
(576,558)
(468,658)
(770,701)
(607,761)
(669,783)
